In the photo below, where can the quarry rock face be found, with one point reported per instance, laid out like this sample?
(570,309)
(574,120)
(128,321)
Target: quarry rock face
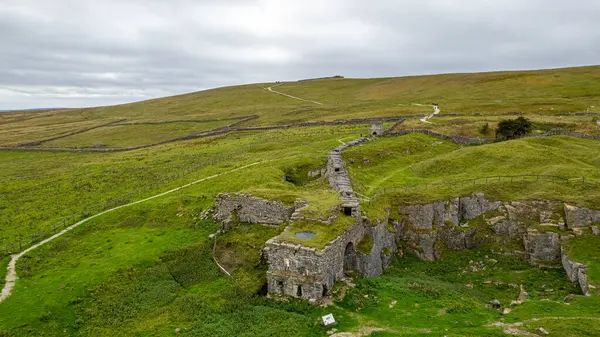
(472,207)
(251,209)
(526,228)
(542,247)
(380,257)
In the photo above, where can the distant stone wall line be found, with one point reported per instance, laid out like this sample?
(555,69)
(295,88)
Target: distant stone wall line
(187,121)
(38,142)
(215,132)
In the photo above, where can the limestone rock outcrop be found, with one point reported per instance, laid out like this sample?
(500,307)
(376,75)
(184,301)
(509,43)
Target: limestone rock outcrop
(580,217)
(576,272)
(468,222)
(542,248)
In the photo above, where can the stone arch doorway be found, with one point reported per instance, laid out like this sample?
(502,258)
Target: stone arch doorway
(349,257)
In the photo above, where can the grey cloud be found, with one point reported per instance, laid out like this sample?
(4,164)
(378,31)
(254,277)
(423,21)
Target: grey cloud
(85,53)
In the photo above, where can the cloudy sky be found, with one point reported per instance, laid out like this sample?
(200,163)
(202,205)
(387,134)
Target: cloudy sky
(73,53)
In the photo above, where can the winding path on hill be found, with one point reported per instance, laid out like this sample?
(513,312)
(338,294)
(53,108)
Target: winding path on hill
(436,111)
(11,276)
(290,96)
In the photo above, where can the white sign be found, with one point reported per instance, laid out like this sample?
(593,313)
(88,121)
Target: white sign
(328,319)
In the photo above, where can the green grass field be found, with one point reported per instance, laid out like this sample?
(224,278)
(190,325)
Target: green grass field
(133,135)
(548,92)
(146,270)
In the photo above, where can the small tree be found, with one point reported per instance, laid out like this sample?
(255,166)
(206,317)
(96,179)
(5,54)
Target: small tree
(513,128)
(485,129)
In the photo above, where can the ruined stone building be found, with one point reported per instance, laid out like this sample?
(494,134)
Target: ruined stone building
(376,129)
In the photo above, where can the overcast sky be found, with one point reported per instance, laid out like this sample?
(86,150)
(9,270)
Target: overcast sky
(73,53)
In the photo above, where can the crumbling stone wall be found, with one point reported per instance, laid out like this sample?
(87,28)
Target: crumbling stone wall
(251,209)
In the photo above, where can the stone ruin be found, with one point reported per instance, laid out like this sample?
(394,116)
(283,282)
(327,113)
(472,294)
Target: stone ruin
(376,129)
(425,230)
(246,208)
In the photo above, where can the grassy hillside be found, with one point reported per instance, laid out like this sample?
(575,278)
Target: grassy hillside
(547,91)
(147,269)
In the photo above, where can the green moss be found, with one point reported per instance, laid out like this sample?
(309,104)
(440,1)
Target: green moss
(320,198)
(387,251)
(390,227)
(365,245)
(546,228)
(324,233)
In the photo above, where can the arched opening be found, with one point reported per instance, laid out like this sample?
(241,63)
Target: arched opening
(280,285)
(349,258)
(347,211)
(325,290)
(299,292)
(374,134)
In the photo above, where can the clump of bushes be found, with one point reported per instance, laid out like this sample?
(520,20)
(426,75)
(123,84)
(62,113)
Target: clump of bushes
(513,128)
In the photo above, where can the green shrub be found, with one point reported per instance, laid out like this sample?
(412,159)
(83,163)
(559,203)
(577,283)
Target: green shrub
(513,128)
(485,129)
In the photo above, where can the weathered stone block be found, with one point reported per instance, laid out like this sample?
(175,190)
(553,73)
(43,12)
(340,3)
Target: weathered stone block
(418,217)
(580,217)
(475,205)
(458,239)
(542,247)
(451,211)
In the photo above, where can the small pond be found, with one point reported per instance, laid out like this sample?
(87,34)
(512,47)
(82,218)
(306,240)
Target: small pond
(305,235)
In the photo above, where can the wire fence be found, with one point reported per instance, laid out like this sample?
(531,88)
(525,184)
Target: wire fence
(522,178)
